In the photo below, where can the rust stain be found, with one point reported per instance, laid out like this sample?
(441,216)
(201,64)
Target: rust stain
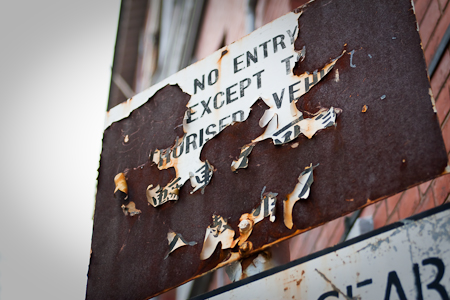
(364,108)
(224,52)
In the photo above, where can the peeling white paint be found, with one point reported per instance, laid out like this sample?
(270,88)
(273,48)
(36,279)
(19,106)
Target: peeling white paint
(219,231)
(242,161)
(176,241)
(301,191)
(248,221)
(130,209)
(433,102)
(223,87)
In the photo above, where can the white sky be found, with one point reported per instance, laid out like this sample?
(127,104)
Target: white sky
(55,69)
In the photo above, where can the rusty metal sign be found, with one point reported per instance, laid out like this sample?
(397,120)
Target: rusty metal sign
(406,260)
(321,112)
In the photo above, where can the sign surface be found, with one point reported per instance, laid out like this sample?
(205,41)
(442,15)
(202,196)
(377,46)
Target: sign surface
(411,261)
(296,124)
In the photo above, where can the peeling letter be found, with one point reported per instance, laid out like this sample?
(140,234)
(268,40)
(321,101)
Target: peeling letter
(247,221)
(242,161)
(176,241)
(130,209)
(219,231)
(265,72)
(121,190)
(301,191)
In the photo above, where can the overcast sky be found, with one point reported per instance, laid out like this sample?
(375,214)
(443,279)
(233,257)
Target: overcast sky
(55,70)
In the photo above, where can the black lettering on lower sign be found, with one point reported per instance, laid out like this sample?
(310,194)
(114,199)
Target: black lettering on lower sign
(417,282)
(393,280)
(329,294)
(436,285)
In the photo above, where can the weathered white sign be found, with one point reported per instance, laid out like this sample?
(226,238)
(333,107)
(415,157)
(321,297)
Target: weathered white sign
(223,87)
(408,262)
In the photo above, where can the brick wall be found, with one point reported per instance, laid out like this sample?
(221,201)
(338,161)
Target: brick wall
(433,17)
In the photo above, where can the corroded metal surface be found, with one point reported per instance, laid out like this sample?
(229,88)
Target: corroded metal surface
(408,260)
(386,139)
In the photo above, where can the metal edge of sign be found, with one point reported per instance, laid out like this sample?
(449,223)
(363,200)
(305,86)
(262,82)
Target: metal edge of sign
(323,252)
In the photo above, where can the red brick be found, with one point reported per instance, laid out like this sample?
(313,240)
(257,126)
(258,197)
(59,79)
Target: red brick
(427,202)
(380,216)
(421,7)
(424,186)
(170,295)
(296,244)
(307,245)
(391,203)
(440,74)
(441,188)
(408,203)
(446,134)
(368,211)
(443,102)
(393,218)
(336,238)
(315,235)
(327,233)
(429,22)
(438,33)
(442,4)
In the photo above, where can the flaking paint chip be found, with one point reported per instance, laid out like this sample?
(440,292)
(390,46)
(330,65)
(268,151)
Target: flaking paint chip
(248,220)
(364,108)
(130,209)
(176,241)
(242,161)
(219,231)
(301,191)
